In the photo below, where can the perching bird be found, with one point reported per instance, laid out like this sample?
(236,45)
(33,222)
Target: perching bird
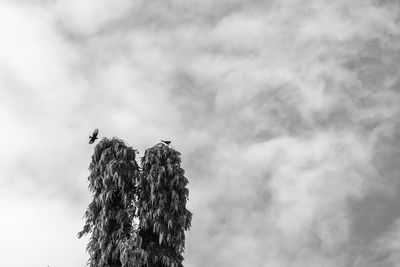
(166,142)
(94,136)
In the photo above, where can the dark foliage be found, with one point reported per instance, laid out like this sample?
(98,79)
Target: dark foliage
(153,198)
(162,197)
(113,172)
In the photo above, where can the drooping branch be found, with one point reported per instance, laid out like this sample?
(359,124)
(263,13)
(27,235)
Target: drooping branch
(137,218)
(162,197)
(113,173)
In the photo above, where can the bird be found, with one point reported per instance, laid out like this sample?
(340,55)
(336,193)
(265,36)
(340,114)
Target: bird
(94,136)
(166,142)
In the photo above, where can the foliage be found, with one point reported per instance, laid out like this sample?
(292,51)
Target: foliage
(162,213)
(109,216)
(137,217)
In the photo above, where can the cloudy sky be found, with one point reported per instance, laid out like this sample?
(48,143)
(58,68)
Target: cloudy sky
(287,115)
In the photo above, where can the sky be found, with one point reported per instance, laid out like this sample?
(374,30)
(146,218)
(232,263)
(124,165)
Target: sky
(287,115)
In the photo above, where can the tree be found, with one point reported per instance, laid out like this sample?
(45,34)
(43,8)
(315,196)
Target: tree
(162,213)
(113,172)
(137,217)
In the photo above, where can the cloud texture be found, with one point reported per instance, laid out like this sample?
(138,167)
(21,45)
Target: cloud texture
(286,114)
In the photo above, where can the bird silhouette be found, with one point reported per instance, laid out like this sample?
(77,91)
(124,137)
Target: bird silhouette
(166,142)
(94,136)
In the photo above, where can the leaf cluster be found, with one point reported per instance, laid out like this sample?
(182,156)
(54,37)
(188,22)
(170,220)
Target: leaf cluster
(113,172)
(154,195)
(162,197)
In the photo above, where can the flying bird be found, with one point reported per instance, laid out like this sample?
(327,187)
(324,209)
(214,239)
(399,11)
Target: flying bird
(94,136)
(166,142)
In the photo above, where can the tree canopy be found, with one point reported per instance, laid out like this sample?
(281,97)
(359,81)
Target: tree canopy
(162,197)
(138,216)
(113,172)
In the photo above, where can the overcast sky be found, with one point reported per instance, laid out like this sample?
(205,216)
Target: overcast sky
(287,115)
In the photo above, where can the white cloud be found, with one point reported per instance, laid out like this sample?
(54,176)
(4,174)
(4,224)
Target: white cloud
(279,109)
(39,236)
(90,16)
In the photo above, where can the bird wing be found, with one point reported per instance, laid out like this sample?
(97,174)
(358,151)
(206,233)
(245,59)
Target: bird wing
(95,133)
